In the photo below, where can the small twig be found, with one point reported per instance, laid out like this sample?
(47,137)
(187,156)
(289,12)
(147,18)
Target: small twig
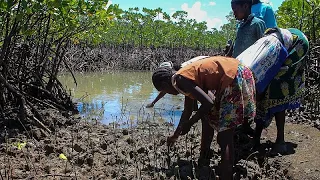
(168,157)
(41,124)
(1,176)
(254,153)
(193,170)
(177,173)
(59,175)
(39,101)
(35,111)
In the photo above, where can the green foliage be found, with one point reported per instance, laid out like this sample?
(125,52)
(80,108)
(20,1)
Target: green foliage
(228,30)
(66,18)
(19,145)
(34,38)
(153,27)
(301,14)
(91,21)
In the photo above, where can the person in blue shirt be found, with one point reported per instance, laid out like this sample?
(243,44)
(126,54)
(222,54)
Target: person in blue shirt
(265,12)
(250,28)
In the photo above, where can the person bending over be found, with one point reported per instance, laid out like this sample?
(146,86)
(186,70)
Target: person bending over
(226,90)
(286,88)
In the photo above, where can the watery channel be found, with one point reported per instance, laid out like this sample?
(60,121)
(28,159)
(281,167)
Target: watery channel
(120,97)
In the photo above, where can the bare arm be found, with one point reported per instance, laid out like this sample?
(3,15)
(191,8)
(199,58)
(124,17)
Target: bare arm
(160,95)
(187,111)
(205,100)
(185,122)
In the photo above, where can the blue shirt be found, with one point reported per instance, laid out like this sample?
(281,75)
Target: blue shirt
(264,11)
(248,32)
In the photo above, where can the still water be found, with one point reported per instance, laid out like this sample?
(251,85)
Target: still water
(121,97)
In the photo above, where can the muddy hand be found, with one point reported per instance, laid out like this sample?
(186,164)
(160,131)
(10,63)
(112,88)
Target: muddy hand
(171,140)
(149,105)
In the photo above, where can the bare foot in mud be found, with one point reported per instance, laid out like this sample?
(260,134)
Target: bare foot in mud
(204,173)
(279,148)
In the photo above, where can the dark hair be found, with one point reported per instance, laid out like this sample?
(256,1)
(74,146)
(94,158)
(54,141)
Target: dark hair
(255,2)
(160,75)
(176,66)
(242,2)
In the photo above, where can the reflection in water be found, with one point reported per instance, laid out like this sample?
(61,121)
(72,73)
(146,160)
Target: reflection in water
(120,97)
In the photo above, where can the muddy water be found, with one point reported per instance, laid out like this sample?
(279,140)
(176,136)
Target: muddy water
(121,97)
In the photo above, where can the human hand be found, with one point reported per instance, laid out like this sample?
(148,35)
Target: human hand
(150,105)
(211,94)
(171,140)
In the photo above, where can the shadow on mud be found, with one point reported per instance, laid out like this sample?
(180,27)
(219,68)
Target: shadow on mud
(266,149)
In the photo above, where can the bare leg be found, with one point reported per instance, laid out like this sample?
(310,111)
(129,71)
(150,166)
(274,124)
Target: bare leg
(280,146)
(259,125)
(206,139)
(280,121)
(257,135)
(246,128)
(226,142)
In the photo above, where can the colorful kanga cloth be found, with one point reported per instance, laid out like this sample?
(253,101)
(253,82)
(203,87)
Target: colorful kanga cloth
(236,102)
(266,56)
(231,82)
(285,90)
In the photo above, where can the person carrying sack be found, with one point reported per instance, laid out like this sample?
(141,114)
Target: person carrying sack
(277,62)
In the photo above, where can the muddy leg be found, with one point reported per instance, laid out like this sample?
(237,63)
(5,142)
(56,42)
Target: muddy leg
(225,140)
(246,128)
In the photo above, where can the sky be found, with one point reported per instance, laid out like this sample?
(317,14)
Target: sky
(211,11)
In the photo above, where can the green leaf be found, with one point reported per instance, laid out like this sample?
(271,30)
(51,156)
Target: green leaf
(63,157)
(19,145)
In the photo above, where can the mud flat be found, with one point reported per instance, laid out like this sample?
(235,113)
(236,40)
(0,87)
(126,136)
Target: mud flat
(89,150)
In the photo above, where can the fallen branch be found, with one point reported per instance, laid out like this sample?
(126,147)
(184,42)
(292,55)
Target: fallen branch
(40,101)
(69,69)
(35,111)
(22,109)
(41,125)
(59,175)
(51,97)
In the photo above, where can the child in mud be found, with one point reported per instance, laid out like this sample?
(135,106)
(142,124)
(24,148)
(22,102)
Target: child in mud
(226,90)
(250,28)
(169,64)
(285,73)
